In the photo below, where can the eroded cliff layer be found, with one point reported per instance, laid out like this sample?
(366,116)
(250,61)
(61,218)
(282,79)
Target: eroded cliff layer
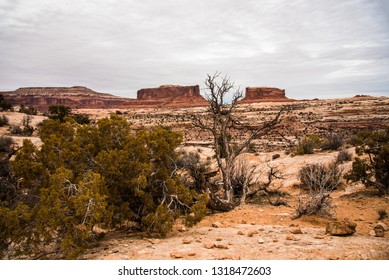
(75,97)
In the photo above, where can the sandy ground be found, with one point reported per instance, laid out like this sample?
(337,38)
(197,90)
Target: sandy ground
(255,232)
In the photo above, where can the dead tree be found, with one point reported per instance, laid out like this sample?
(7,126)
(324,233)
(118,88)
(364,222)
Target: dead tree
(222,122)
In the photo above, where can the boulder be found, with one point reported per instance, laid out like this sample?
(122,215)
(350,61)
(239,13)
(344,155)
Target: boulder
(379,230)
(296,230)
(341,228)
(383,226)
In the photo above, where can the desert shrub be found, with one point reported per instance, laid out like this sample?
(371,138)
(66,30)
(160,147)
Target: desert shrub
(242,178)
(344,156)
(26,130)
(59,112)
(94,174)
(82,119)
(382,214)
(27,110)
(319,176)
(314,203)
(307,145)
(3,121)
(5,151)
(195,168)
(333,141)
(373,171)
(5,144)
(320,180)
(16,130)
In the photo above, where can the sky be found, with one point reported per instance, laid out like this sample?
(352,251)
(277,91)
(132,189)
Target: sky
(312,49)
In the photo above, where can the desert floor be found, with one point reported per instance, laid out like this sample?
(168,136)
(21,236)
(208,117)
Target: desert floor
(258,230)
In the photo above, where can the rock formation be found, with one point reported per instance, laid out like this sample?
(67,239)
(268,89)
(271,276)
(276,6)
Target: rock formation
(171,96)
(264,94)
(81,97)
(169,91)
(78,97)
(75,97)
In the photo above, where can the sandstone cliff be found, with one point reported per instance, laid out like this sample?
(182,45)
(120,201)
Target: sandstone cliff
(169,91)
(171,96)
(264,94)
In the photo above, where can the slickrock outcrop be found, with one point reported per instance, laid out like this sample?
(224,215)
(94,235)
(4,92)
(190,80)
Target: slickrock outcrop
(264,94)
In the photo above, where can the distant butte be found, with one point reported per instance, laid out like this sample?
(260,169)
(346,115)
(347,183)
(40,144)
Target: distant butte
(264,94)
(79,97)
(172,96)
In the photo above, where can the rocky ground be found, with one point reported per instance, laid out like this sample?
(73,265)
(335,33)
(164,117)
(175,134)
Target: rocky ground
(257,232)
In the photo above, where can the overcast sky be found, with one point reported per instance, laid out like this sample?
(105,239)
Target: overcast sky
(322,49)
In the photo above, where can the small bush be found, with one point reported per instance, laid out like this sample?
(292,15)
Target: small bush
(315,203)
(319,176)
(3,120)
(16,130)
(307,145)
(25,131)
(5,144)
(320,180)
(27,110)
(196,169)
(344,156)
(373,171)
(81,119)
(333,141)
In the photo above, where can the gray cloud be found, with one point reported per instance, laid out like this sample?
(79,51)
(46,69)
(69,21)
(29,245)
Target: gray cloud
(311,48)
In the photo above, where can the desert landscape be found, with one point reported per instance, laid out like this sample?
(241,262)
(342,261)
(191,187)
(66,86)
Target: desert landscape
(257,228)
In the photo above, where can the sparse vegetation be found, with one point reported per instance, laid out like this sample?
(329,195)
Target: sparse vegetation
(344,156)
(59,112)
(318,182)
(316,177)
(306,145)
(27,110)
(82,119)
(25,130)
(3,121)
(333,141)
(81,180)
(5,144)
(372,171)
